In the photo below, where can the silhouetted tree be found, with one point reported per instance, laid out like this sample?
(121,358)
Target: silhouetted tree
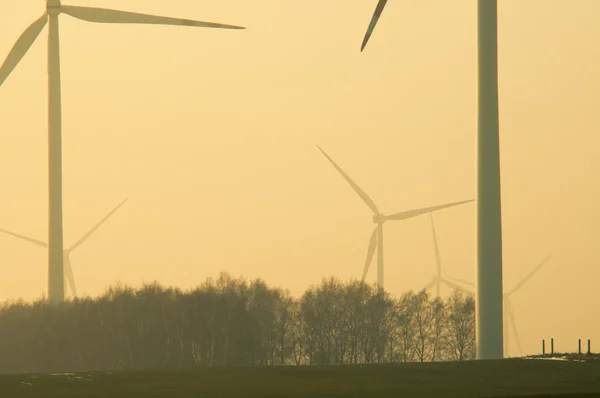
(460,326)
(234,322)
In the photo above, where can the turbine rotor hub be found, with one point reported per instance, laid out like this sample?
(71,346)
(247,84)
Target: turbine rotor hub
(379,218)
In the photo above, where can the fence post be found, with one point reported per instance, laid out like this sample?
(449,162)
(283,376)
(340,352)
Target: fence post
(589,346)
(543,347)
(552,345)
(579,350)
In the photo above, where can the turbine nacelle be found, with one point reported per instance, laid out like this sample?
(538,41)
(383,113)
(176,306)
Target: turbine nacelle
(53,7)
(376,241)
(379,218)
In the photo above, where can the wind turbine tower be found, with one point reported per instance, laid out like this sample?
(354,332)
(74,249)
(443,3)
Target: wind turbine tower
(488,300)
(509,315)
(101,15)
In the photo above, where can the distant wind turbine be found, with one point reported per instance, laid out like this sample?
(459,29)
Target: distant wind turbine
(53,9)
(489,215)
(379,218)
(509,316)
(70,278)
(439,279)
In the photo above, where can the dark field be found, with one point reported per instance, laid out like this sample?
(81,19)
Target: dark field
(513,377)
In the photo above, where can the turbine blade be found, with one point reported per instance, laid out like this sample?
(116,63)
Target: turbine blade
(463,281)
(21,47)
(373,23)
(370,252)
(520,284)
(356,188)
(438,260)
(69,275)
(513,324)
(452,285)
(95,227)
(30,240)
(429,285)
(103,15)
(403,215)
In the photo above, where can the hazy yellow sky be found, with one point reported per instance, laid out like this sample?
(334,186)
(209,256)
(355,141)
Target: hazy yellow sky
(212,133)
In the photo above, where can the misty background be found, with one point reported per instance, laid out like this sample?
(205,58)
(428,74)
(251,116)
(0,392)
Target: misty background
(212,133)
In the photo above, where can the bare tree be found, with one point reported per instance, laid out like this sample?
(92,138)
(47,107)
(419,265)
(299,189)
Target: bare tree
(407,325)
(233,322)
(424,322)
(356,296)
(460,326)
(438,332)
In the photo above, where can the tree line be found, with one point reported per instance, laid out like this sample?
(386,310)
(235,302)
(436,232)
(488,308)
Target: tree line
(234,322)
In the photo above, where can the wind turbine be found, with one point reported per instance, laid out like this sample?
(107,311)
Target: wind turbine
(489,216)
(53,9)
(509,316)
(376,241)
(439,279)
(70,278)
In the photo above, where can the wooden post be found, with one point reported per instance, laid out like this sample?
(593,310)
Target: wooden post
(552,345)
(589,346)
(579,350)
(543,347)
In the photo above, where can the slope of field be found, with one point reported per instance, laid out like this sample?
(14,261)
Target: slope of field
(513,377)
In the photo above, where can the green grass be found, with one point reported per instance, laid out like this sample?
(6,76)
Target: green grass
(512,377)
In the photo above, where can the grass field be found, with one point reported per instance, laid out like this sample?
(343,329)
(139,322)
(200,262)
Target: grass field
(512,377)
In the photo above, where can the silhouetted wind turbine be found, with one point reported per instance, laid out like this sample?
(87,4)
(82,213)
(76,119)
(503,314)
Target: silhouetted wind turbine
(53,9)
(376,241)
(489,216)
(509,315)
(439,279)
(70,278)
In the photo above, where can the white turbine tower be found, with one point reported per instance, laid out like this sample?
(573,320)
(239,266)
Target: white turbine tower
(438,279)
(509,315)
(489,223)
(379,218)
(69,277)
(53,9)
